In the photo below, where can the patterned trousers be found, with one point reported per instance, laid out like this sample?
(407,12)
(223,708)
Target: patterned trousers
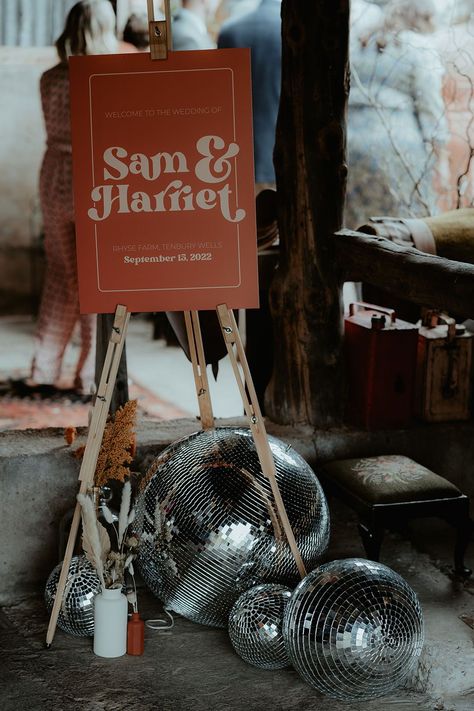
(59,308)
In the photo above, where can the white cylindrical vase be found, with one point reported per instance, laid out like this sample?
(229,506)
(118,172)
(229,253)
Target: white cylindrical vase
(110,623)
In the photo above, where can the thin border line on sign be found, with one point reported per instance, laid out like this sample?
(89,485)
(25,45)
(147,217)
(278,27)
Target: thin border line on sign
(96,238)
(166,288)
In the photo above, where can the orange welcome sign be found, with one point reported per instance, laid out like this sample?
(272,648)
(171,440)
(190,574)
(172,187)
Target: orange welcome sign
(163,181)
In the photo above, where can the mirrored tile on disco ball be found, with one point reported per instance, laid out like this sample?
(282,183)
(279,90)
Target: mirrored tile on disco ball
(76,614)
(255,626)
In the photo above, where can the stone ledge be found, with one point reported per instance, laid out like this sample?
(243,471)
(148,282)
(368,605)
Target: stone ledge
(38,477)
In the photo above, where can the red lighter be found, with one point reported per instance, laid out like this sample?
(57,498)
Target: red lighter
(380,364)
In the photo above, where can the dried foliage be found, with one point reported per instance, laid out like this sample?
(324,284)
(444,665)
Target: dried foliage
(95,539)
(121,560)
(118,444)
(79,452)
(70,434)
(111,559)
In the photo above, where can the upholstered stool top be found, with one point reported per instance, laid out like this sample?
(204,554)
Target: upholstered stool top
(389,478)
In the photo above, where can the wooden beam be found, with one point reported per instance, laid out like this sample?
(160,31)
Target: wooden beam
(406,272)
(307,384)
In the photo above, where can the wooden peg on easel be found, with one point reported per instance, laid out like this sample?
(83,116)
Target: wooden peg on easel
(257,426)
(160,31)
(91,452)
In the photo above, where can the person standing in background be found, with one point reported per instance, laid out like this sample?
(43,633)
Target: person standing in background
(234,8)
(189,28)
(396,129)
(366,17)
(136,32)
(89,29)
(455,42)
(261,31)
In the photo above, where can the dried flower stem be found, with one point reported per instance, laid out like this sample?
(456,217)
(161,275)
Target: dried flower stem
(123,514)
(95,540)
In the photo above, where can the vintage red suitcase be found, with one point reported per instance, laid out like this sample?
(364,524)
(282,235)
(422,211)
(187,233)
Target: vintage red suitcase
(380,364)
(444,375)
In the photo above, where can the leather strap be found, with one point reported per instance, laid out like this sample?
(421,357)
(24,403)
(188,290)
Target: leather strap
(421,234)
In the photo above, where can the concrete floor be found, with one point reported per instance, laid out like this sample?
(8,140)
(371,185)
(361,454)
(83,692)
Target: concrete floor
(194,668)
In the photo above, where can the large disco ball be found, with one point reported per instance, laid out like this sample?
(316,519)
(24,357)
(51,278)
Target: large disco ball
(76,614)
(208,524)
(255,626)
(354,629)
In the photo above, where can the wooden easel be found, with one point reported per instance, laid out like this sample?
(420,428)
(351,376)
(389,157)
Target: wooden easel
(160,43)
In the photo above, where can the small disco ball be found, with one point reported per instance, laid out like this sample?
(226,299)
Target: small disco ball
(255,626)
(76,614)
(353,629)
(208,524)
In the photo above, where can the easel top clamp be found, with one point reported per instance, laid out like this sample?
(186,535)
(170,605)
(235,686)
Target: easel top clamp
(160,32)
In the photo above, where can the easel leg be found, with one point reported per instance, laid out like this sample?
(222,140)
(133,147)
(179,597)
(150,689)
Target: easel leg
(120,395)
(198,360)
(94,440)
(257,426)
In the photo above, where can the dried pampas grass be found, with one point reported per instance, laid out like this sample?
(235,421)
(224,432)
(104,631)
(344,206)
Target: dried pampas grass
(124,510)
(110,562)
(118,445)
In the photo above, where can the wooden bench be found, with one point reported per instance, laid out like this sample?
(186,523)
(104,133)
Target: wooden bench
(387,491)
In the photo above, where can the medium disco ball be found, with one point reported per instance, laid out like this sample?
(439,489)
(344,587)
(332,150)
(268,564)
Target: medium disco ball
(255,626)
(76,614)
(208,525)
(354,629)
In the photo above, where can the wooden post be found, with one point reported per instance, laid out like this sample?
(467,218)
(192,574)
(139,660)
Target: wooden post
(94,440)
(305,299)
